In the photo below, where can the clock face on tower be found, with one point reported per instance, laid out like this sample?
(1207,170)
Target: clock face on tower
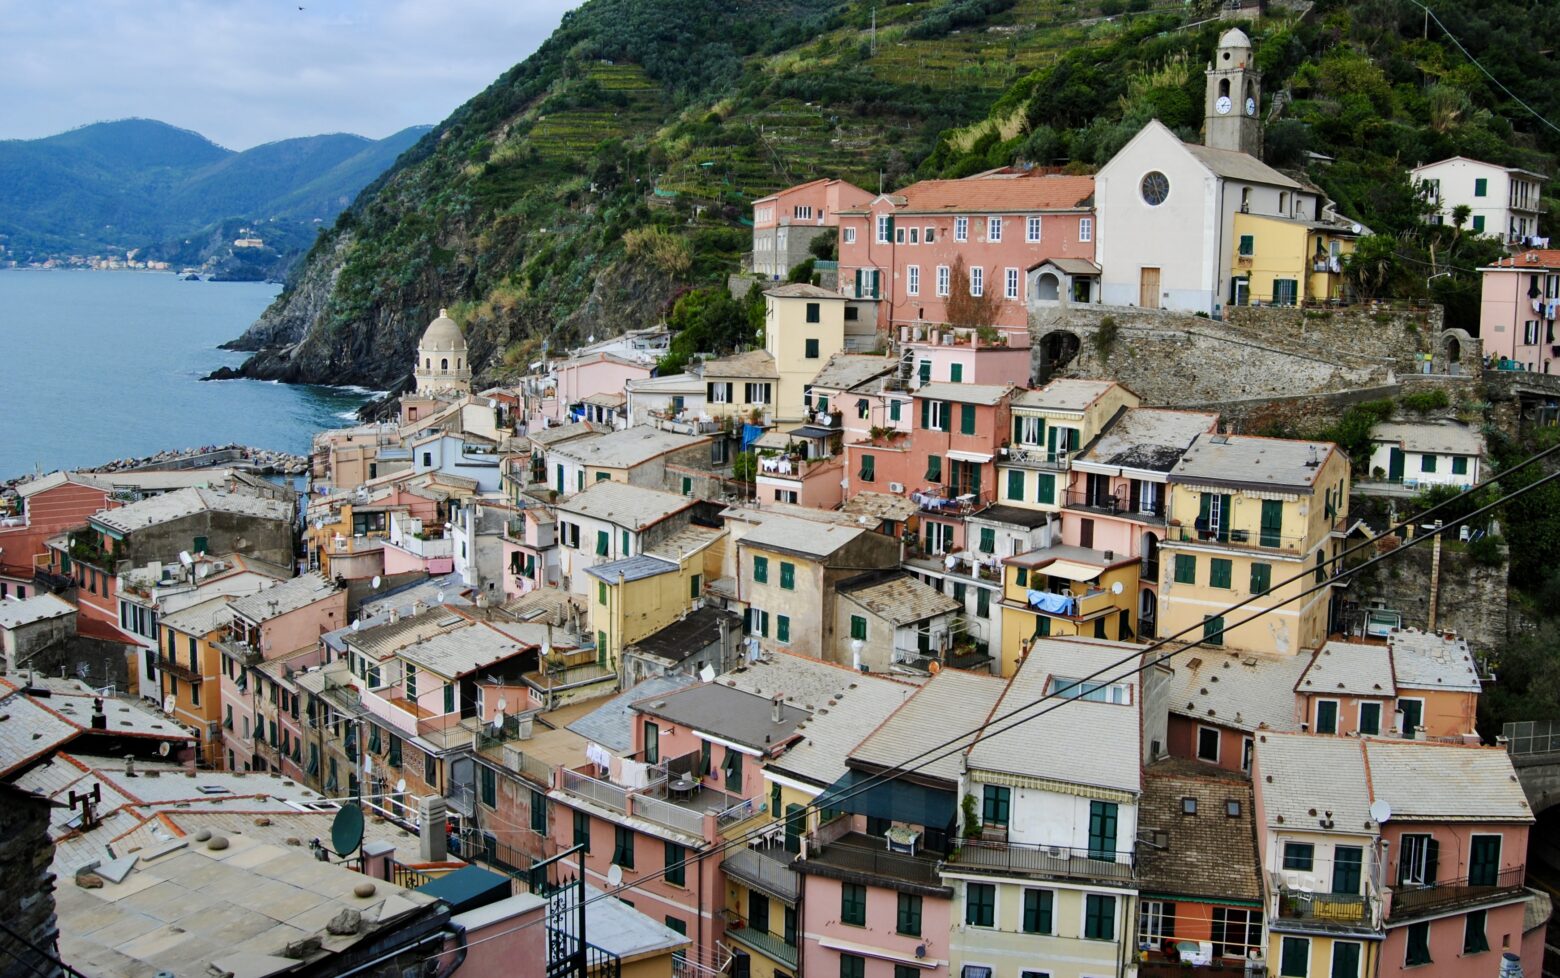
(1222,105)
(1251,106)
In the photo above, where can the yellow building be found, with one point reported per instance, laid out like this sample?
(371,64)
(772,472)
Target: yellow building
(1065,591)
(1280,261)
(189,667)
(635,597)
(1246,515)
(804,326)
(1050,426)
(741,387)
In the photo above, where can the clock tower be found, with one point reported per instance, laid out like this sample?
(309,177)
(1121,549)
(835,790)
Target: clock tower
(1234,97)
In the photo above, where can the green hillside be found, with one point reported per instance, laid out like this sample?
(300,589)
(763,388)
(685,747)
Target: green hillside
(610,172)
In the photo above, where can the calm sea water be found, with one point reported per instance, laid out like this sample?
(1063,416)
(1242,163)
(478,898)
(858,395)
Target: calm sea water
(96,366)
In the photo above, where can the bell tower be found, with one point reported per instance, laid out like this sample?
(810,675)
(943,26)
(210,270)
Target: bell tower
(1234,97)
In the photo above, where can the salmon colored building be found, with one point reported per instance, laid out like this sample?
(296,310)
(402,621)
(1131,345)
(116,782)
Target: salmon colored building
(785,223)
(901,248)
(49,506)
(1519,304)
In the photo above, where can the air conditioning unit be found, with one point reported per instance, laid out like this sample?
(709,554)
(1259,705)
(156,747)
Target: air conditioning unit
(896,487)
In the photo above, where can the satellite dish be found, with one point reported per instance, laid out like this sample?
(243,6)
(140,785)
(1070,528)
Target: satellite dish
(376,582)
(163,748)
(498,719)
(357,624)
(1380,812)
(438,598)
(1115,588)
(169,704)
(503,704)
(185,558)
(346,832)
(614,875)
(706,674)
(1356,228)
(400,785)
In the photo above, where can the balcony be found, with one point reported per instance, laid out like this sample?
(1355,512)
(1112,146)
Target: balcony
(1242,539)
(948,500)
(1114,504)
(767,944)
(854,855)
(243,652)
(1073,607)
(960,657)
(1344,910)
(185,673)
(832,420)
(787,466)
(1037,457)
(967,565)
(1412,901)
(929,334)
(767,869)
(603,793)
(1061,862)
(683,422)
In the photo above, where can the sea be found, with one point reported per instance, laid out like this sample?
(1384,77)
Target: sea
(102,365)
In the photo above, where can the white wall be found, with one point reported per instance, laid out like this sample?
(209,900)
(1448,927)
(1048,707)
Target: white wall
(1413,467)
(1049,818)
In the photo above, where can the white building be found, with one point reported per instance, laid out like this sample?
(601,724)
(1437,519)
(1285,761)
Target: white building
(442,359)
(1502,200)
(1426,453)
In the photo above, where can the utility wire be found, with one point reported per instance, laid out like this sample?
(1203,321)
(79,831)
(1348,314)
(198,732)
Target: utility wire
(955,744)
(1477,64)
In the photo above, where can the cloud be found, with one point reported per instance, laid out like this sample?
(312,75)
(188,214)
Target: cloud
(244,72)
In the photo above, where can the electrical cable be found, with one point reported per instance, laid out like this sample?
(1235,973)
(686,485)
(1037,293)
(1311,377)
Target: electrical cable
(955,744)
(1477,64)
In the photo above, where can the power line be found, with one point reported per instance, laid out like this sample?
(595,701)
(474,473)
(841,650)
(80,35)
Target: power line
(955,744)
(1477,64)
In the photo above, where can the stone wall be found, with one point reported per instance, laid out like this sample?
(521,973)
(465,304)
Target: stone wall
(26,886)
(1472,602)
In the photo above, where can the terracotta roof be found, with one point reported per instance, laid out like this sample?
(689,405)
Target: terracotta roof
(1208,853)
(1002,193)
(1546,258)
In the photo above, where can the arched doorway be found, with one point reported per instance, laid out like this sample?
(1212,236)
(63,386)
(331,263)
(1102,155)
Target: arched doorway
(1048,288)
(1057,350)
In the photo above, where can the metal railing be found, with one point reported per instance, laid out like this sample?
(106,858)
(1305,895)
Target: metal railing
(1116,502)
(1041,860)
(1347,909)
(1411,901)
(670,815)
(764,943)
(765,872)
(740,812)
(1038,457)
(952,500)
(600,792)
(406,877)
(1237,537)
(865,854)
(1531,737)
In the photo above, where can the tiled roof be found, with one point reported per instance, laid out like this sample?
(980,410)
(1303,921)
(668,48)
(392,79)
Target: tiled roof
(688,540)
(1064,394)
(1208,853)
(1304,777)
(1148,439)
(963,699)
(288,596)
(627,448)
(1349,669)
(203,618)
(634,507)
(881,505)
(460,651)
(635,568)
(1440,437)
(998,193)
(986,394)
(846,371)
(39,607)
(898,599)
(28,731)
(1421,660)
(1534,259)
(1277,463)
(798,536)
(855,707)
(753,363)
(1234,165)
(547,437)
(1435,781)
(187,502)
(1242,691)
(801,290)
(1111,730)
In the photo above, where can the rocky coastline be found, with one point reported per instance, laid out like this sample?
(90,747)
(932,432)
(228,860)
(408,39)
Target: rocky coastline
(261,461)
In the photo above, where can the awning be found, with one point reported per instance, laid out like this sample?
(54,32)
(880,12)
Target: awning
(813,431)
(896,800)
(1070,570)
(976,457)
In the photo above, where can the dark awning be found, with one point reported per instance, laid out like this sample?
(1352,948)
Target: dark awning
(897,800)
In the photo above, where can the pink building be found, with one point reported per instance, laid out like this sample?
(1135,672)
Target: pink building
(578,379)
(530,551)
(1520,303)
(961,356)
(49,506)
(785,223)
(902,247)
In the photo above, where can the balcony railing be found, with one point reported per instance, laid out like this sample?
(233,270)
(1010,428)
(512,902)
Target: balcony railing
(1037,457)
(1115,503)
(1324,909)
(1252,539)
(767,870)
(1410,901)
(668,814)
(1038,860)
(857,853)
(183,672)
(601,792)
(1080,607)
(951,500)
(764,943)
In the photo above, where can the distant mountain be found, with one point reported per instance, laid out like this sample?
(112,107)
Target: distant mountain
(136,183)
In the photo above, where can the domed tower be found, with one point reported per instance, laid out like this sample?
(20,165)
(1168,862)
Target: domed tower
(1234,97)
(442,362)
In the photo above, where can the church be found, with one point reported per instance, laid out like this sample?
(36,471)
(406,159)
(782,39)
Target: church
(1196,228)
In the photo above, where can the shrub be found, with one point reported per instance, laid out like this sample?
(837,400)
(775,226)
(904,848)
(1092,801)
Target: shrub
(1487,551)
(667,253)
(1422,401)
(1105,337)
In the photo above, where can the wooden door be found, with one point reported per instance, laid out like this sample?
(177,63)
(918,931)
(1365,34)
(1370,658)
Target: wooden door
(1148,288)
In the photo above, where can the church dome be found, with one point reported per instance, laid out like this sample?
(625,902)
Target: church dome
(1235,38)
(442,335)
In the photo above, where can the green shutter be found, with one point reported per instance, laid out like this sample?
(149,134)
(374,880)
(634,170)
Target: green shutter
(934,468)
(988,540)
(1045,488)
(956,373)
(946,422)
(926,412)
(1015,488)
(1272,522)
(1261,578)
(787,575)
(966,419)
(603,543)
(893,410)
(1219,571)
(761,570)
(1213,630)
(858,628)
(1185,569)
(782,628)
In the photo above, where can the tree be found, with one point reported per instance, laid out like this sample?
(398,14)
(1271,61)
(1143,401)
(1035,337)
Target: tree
(964,309)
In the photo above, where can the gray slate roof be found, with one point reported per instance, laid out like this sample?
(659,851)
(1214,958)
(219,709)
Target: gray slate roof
(273,602)
(964,393)
(1064,394)
(634,507)
(1301,773)
(731,714)
(693,633)
(1454,782)
(635,568)
(898,599)
(951,695)
(1349,669)
(455,653)
(39,607)
(1249,460)
(612,723)
(845,371)
(1436,437)
(626,448)
(1234,165)
(799,536)
(202,618)
(187,502)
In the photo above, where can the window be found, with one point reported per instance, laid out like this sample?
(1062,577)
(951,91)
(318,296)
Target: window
(994,229)
(1294,957)
(913,280)
(1346,959)
(787,576)
(1427,463)
(1326,716)
(676,866)
(733,763)
(1032,229)
(1248,244)
(1185,569)
(988,540)
(489,787)
(1475,941)
(1208,744)
(1045,488)
(1348,861)
(582,830)
(995,805)
(934,468)
(194,693)
(1155,188)
(909,919)
(538,813)
(1085,229)
(1418,950)
(1213,629)
(1010,284)
(1236,931)
(852,966)
(899,236)
(783,629)
(812,349)
(1478,222)
(982,603)
(1299,856)
(848,235)
(603,543)
(885,228)
(977,281)
(915,235)
(1261,578)
(1219,573)
(1370,718)
(814,312)
(761,570)
(1484,860)
(868,472)
(980,904)
(1038,905)
(652,742)
(858,628)
(853,904)
(411,683)
(1481,187)
(906,971)
(1102,830)
(1015,484)
(1459,465)
(623,846)
(1099,917)
(934,415)
(942,280)
(966,419)
(695,586)
(961,229)
(1417,860)
(956,372)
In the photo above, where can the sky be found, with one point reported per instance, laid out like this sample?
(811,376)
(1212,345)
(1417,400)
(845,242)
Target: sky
(245,72)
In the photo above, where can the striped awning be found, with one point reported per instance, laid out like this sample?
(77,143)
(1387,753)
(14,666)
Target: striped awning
(1047,784)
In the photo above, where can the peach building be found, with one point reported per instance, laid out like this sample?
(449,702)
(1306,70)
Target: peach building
(785,223)
(902,248)
(1518,308)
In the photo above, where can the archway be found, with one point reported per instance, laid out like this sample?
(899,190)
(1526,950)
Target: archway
(1048,287)
(1057,350)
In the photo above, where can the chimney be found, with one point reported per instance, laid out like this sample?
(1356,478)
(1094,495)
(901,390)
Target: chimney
(99,718)
(777,706)
(129,767)
(482,599)
(419,606)
(431,838)
(395,615)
